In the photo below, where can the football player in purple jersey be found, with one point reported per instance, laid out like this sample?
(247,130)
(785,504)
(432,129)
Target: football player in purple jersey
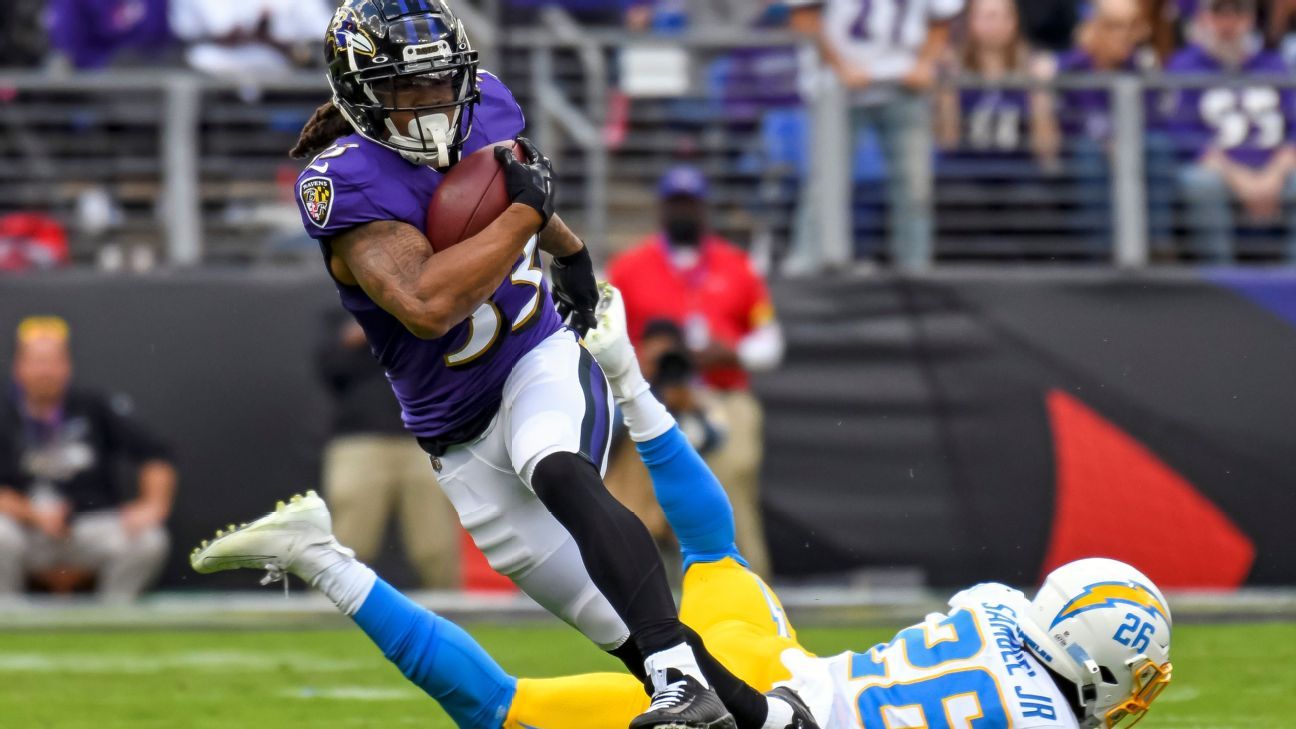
(492,379)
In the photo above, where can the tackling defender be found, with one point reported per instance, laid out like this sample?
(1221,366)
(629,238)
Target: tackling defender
(1091,650)
(514,412)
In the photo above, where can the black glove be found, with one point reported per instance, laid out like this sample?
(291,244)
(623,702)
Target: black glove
(575,291)
(530,183)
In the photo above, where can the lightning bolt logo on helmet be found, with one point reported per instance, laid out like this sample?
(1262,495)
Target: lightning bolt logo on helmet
(1109,594)
(1105,627)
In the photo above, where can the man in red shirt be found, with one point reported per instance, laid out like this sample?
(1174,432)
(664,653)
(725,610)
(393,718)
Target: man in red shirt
(709,287)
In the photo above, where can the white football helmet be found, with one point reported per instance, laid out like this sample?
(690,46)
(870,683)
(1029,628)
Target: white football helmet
(1103,625)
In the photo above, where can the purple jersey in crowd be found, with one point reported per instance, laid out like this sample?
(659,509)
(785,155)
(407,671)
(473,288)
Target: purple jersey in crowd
(1088,112)
(92,32)
(1249,123)
(994,123)
(752,80)
(451,386)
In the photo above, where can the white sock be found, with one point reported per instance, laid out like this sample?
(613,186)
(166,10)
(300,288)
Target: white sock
(645,416)
(628,383)
(680,658)
(780,714)
(338,575)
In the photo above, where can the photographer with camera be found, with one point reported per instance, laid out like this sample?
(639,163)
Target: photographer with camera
(710,289)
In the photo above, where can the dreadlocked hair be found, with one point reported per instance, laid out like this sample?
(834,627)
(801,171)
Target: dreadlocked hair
(326,125)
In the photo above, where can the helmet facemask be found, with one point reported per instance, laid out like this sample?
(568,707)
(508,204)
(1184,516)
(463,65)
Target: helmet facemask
(1089,680)
(1149,681)
(423,116)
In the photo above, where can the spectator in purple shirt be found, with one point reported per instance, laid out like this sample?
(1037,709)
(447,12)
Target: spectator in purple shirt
(998,140)
(1237,142)
(997,123)
(606,13)
(92,34)
(1111,41)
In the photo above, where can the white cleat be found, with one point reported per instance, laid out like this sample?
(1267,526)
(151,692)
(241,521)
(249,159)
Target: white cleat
(275,542)
(609,342)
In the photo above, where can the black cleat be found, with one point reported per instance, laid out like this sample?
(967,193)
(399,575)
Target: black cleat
(681,702)
(801,716)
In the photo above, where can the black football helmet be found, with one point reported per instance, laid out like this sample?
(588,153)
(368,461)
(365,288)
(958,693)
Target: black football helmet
(405,76)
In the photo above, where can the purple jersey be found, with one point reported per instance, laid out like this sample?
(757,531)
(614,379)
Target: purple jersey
(751,80)
(92,32)
(451,386)
(1087,112)
(994,122)
(1249,123)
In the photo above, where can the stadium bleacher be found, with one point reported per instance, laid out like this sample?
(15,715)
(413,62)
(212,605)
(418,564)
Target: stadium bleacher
(740,116)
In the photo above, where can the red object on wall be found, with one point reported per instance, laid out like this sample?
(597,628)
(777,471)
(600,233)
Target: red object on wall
(477,573)
(31,241)
(1117,499)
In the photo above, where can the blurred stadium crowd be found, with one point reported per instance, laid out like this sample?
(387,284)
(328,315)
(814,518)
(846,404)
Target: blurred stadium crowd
(980,130)
(985,130)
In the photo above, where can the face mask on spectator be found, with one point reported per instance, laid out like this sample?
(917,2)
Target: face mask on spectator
(683,191)
(684,230)
(684,221)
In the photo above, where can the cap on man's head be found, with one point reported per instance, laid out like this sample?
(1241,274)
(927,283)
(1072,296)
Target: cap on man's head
(683,181)
(42,327)
(1222,6)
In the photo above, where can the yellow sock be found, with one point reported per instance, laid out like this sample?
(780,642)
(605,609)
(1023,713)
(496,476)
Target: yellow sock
(591,701)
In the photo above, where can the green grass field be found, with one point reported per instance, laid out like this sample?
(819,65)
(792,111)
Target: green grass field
(1225,676)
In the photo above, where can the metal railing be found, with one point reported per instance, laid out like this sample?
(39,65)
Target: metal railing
(196,166)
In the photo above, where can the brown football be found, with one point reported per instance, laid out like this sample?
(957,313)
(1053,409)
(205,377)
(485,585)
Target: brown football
(471,197)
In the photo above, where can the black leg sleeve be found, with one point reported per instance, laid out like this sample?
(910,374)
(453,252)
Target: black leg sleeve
(748,706)
(616,548)
(629,654)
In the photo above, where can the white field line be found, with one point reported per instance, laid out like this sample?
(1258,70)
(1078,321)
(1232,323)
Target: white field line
(222,661)
(805,605)
(354,693)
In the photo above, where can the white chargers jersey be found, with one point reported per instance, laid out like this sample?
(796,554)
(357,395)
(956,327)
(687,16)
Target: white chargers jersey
(883,37)
(966,669)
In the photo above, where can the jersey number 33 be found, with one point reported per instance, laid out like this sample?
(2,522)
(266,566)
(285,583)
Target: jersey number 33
(494,319)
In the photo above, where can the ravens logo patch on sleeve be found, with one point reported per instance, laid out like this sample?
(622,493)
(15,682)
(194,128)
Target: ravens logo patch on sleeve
(317,199)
